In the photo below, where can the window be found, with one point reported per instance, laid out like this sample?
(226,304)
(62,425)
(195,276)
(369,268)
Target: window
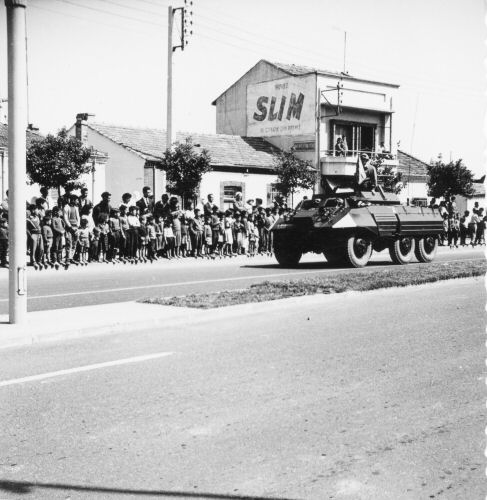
(419,202)
(149,176)
(228,190)
(273,193)
(357,137)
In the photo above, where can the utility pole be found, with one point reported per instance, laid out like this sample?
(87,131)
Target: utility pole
(186,30)
(17,125)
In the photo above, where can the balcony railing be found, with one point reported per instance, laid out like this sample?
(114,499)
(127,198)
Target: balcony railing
(352,153)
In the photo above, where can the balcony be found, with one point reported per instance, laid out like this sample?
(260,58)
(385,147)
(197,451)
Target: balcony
(345,165)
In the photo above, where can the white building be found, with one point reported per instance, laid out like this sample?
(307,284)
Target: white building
(307,109)
(244,164)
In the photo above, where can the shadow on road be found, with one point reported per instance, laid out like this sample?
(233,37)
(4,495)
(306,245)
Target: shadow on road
(316,265)
(26,487)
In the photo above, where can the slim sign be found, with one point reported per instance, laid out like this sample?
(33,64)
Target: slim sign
(281,107)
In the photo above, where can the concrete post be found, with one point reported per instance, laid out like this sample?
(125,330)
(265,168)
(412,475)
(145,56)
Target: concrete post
(17,126)
(169,78)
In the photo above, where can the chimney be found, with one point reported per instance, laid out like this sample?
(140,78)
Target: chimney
(81,127)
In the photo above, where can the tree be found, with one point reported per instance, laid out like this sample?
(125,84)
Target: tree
(184,169)
(57,161)
(449,179)
(293,173)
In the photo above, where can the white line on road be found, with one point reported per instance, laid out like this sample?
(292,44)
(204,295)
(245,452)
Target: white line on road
(200,282)
(96,366)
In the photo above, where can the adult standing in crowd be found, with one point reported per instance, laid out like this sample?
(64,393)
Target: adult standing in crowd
(47,202)
(84,203)
(209,206)
(238,204)
(161,208)
(146,203)
(126,202)
(104,207)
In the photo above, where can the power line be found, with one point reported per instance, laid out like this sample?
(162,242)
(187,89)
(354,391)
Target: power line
(90,21)
(425,84)
(111,13)
(151,12)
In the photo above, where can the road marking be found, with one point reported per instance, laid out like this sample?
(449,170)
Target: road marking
(219,280)
(86,368)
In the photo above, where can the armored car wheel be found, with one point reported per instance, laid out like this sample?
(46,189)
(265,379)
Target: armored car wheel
(402,250)
(287,255)
(358,251)
(426,247)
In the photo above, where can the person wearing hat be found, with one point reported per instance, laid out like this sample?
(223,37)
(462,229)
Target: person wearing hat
(238,204)
(249,205)
(104,207)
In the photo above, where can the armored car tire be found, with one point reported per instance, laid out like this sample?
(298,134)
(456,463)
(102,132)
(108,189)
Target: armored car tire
(358,251)
(402,250)
(426,248)
(287,255)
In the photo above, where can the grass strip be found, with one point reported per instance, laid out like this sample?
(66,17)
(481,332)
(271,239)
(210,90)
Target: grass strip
(337,282)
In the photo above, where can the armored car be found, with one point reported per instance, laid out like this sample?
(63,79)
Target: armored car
(349,220)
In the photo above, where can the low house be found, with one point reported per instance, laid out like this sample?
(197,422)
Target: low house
(478,196)
(415,178)
(31,134)
(244,164)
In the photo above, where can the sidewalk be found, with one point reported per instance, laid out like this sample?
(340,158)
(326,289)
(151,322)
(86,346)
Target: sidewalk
(89,320)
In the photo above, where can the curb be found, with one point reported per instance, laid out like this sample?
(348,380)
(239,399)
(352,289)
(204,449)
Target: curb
(128,316)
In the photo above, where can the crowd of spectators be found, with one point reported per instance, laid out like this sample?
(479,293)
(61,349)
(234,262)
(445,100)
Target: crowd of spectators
(460,229)
(74,231)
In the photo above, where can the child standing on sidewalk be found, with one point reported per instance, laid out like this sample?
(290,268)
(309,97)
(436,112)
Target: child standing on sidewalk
(84,242)
(168,238)
(47,239)
(59,241)
(34,237)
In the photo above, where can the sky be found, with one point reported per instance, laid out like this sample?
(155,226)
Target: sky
(108,58)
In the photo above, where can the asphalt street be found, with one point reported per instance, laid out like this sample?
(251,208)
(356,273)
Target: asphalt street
(107,283)
(376,395)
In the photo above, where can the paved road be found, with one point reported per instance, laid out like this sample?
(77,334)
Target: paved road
(102,283)
(355,396)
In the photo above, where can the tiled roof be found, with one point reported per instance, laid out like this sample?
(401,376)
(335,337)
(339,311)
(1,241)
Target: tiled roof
(296,70)
(224,150)
(4,136)
(412,168)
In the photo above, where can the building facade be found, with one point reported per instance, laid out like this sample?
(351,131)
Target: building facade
(306,110)
(239,164)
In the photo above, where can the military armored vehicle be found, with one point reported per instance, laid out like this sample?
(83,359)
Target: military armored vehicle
(350,219)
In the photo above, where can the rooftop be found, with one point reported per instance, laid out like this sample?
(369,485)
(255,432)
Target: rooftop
(298,70)
(4,136)
(295,70)
(224,150)
(411,168)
